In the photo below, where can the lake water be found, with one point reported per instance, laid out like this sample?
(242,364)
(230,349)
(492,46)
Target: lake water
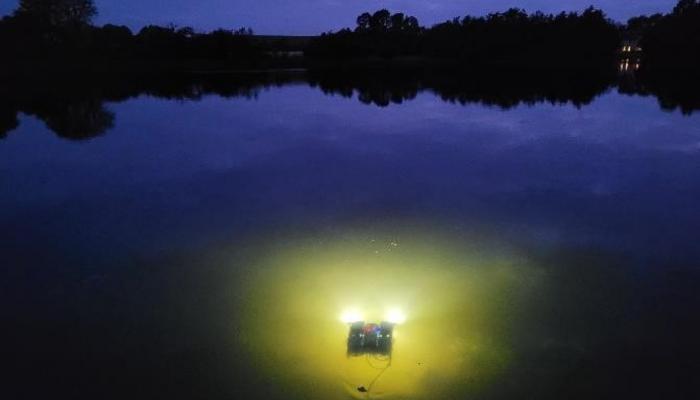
(203,240)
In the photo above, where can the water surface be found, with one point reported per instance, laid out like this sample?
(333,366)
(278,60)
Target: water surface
(201,239)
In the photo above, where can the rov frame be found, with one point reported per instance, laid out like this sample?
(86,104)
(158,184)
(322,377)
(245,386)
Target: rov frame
(370,338)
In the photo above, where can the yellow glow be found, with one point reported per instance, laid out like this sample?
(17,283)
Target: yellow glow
(351,315)
(395,316)
(459,302)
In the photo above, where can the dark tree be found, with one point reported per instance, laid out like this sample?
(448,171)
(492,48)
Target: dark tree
(643,23)
(673,41)
(8,120)
(381,34)
(380,21)
(508,39)
(112,41)
(515,39)
(363,22)
(684,6)
(58,13)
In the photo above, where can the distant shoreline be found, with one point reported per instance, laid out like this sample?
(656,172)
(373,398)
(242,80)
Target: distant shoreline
(39,40)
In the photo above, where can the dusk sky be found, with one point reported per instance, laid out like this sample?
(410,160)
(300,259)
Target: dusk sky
(303,17)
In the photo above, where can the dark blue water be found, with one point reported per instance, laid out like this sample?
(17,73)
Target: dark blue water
(112,277)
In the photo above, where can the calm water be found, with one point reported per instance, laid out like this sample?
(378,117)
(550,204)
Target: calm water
(202,240)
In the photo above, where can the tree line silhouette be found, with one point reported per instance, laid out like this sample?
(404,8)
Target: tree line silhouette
(672,40)
(512,38)
(517,39)
(62,30)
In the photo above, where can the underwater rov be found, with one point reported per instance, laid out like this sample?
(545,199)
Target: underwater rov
(369,338)
(373,341)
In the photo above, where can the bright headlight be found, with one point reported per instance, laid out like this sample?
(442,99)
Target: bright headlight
(395,316)
(350,316)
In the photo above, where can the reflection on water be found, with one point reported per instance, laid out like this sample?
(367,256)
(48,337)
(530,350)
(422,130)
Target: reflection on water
(627,64)
(74,108)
